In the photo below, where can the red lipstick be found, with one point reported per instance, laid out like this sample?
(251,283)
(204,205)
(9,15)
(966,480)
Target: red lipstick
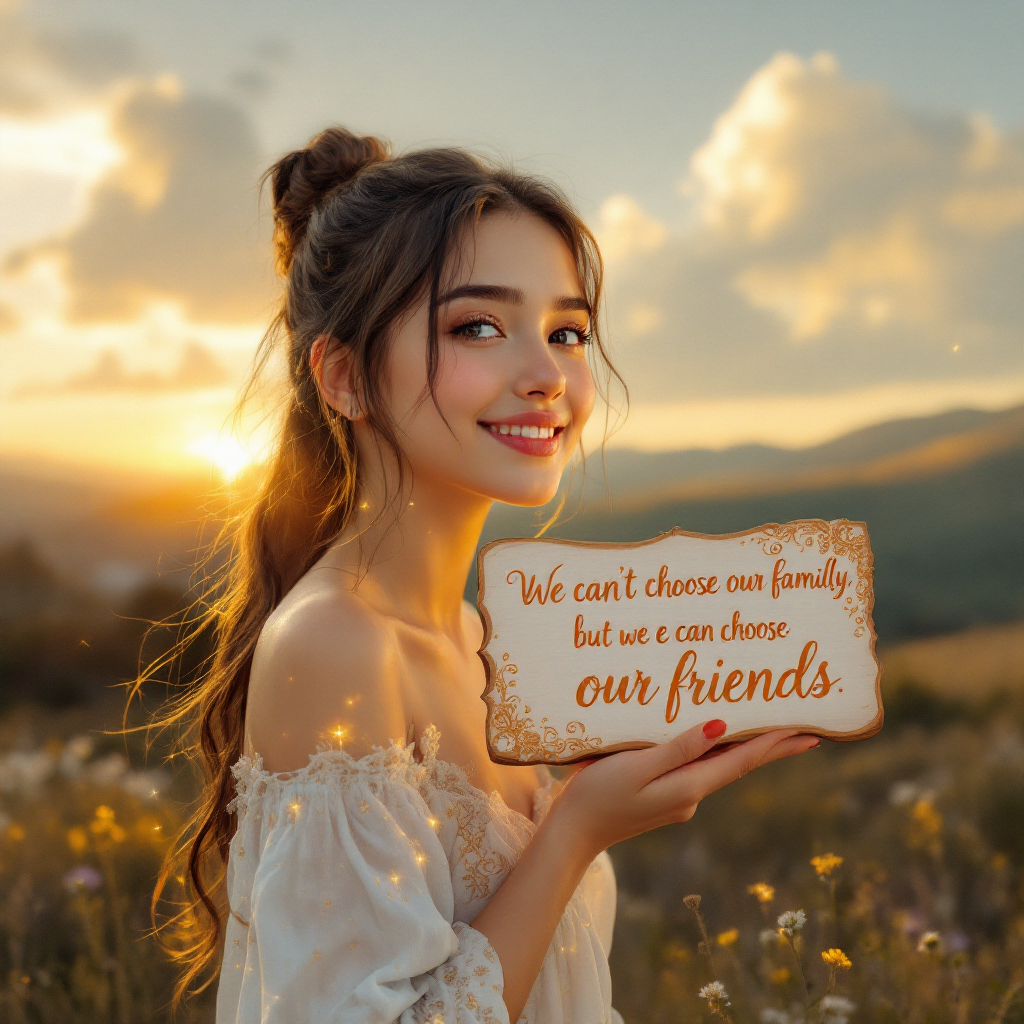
(532,433)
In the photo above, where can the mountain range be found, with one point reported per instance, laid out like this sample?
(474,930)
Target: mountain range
(943,498)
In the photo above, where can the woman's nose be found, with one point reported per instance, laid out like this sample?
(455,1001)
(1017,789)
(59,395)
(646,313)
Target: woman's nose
(539,374)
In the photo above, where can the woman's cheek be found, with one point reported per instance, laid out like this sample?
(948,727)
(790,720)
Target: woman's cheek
(582,394)
(470,384)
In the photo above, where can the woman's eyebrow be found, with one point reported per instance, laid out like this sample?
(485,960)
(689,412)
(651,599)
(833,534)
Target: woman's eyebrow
(495,292)
(572,303)
(510,296)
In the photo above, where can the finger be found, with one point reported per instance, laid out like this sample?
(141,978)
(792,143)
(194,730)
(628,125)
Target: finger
(716,751)
(681,749)
(791,747)
(712,774)
(802,742)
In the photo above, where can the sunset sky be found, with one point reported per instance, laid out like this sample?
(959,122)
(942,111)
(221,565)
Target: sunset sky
(812,213)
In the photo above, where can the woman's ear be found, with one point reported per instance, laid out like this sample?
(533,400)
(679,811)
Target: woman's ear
(332,371)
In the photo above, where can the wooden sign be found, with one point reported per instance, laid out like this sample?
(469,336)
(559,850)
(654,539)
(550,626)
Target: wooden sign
(592,648)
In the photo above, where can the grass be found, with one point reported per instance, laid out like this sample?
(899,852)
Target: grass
(82,834)
(904,852)
(927,903)
(903,855)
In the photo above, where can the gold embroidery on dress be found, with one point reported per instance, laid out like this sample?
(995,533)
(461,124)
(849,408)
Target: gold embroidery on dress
(472,812)
(481,865)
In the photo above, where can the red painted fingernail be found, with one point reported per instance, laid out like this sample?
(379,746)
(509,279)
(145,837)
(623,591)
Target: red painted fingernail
(714,728)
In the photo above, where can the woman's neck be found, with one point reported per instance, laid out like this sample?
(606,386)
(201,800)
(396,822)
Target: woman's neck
(412,555)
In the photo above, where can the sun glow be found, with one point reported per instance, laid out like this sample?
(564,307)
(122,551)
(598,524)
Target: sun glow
(78,145)
(225,453)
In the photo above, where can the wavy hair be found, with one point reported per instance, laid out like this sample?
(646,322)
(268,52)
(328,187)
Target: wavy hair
(361,237)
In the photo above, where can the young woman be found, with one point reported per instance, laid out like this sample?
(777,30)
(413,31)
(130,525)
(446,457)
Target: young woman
(439,330)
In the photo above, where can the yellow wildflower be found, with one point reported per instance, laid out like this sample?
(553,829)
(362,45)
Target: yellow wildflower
(779,976)
(764,892)
(925,815)
(104,825)
(825,864)
(78,840)
(103,822)
(837,958)
(925,831)
(727,938)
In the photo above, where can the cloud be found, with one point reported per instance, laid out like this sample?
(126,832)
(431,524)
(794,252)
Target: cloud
(43,67)
(75,145)
(10,321)
(257,78)
(839,240)
(252,83)
(90,57)
(625,230)
(174,221)
(197,369)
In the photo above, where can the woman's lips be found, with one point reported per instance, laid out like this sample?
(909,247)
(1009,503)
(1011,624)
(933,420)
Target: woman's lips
(525,438)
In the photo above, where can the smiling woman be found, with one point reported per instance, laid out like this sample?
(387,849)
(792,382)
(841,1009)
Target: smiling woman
(512,344)
(439,327)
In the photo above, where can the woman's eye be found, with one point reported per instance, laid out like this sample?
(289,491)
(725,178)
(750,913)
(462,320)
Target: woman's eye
(570,337)
(478,330)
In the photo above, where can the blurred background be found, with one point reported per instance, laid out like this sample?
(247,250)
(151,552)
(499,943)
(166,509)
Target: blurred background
(812,216)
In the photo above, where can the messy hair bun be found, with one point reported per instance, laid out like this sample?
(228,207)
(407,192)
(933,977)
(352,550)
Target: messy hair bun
(303,179)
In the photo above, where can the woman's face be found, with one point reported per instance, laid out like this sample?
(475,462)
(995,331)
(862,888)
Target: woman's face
(514,383)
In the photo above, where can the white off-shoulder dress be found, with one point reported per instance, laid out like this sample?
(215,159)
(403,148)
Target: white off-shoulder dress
(352,885)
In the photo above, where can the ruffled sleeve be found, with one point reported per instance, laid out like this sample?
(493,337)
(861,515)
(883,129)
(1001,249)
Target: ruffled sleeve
(342,904)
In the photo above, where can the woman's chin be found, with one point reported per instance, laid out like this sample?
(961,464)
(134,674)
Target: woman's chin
(526,496)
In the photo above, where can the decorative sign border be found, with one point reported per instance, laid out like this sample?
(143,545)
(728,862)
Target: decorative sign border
(513,737)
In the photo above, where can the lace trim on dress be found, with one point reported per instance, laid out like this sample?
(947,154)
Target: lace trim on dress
(327,765)
(393,763)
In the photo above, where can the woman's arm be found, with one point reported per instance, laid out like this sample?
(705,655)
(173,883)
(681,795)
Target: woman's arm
(609,800)
(324,662)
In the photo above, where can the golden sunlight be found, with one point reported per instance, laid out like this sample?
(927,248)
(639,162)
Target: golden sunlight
(78,145)
(225,453)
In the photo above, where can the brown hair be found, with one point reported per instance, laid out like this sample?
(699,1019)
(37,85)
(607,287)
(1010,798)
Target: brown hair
(360,237)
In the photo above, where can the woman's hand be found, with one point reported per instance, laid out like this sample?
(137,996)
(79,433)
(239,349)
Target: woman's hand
(624,794)
(606,801)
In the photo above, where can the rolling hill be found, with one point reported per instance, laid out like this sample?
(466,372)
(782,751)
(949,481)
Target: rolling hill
(943,497)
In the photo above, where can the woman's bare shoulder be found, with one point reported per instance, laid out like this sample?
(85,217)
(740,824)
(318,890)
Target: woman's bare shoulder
(325,662)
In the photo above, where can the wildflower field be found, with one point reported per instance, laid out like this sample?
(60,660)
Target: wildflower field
(82,834)
(879,881)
